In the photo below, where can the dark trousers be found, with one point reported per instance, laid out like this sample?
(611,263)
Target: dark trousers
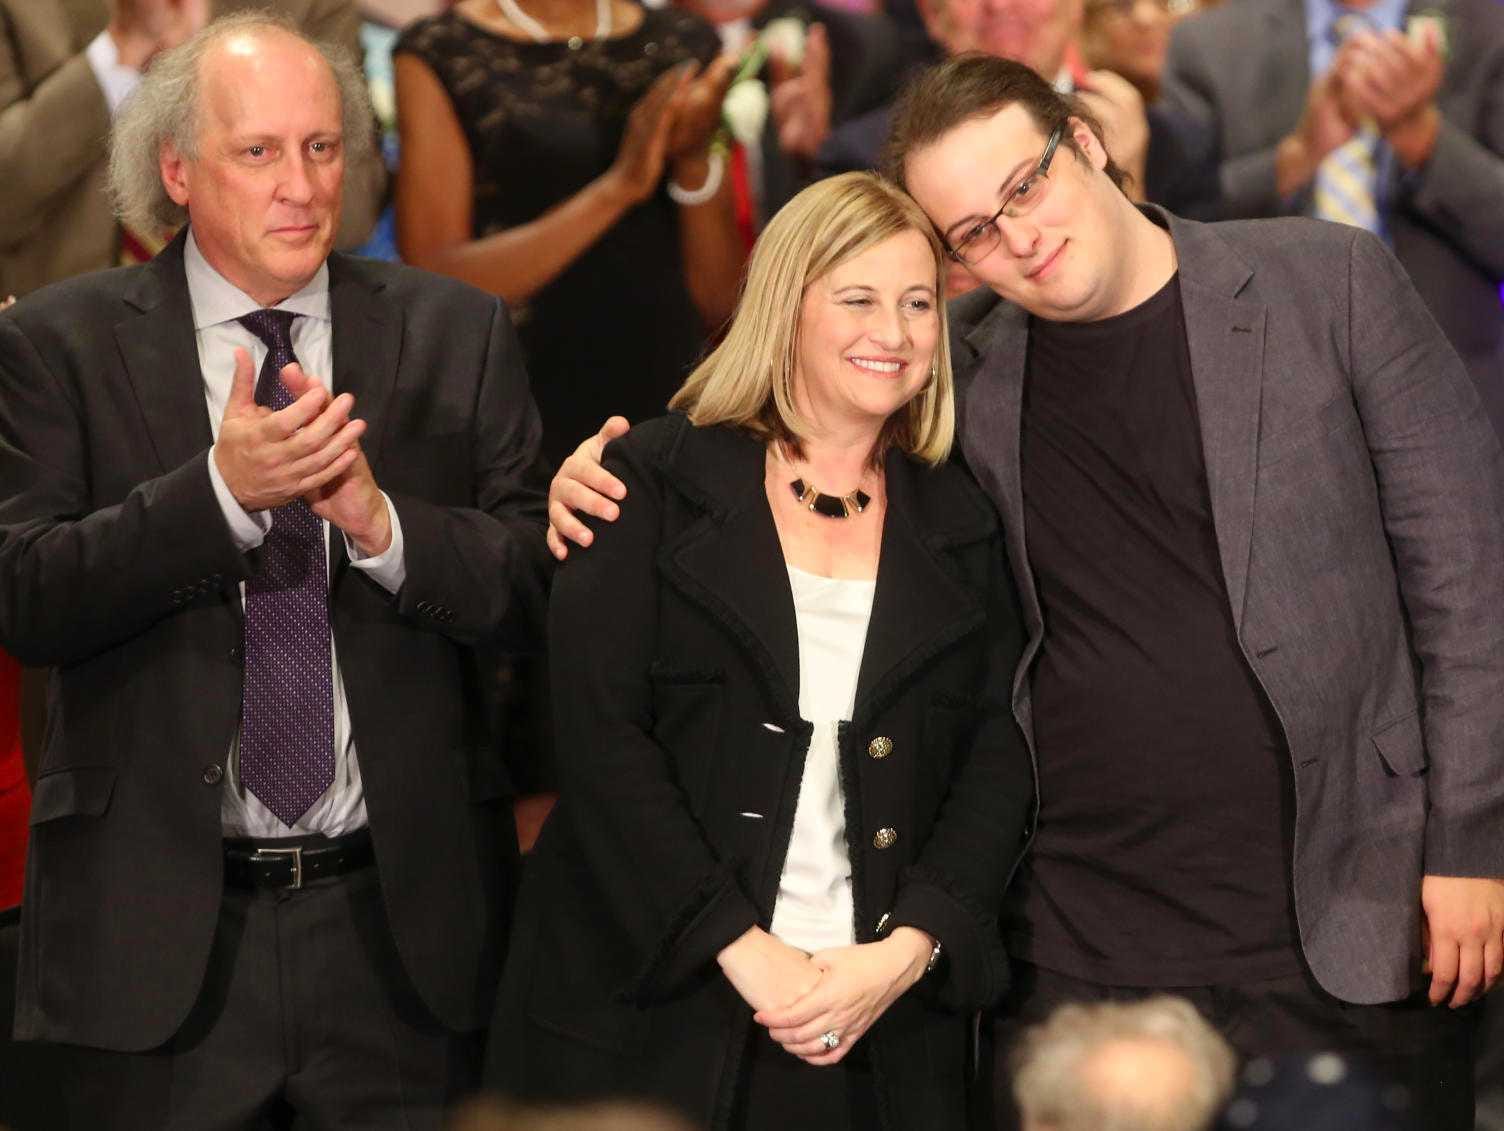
(1428,1051)
(305,1019)
(30,1092)
(780,1092)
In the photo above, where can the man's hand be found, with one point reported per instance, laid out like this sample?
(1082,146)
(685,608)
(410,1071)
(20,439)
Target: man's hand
(349,500)
(1463,936)
(582,484)
(766,971)
(1394,81)
(800,96)
(1125,127)
(269,458)
(857,985)
(1326,123)
(142,28)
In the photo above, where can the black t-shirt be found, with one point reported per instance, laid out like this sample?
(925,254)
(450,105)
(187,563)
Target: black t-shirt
(1162,853)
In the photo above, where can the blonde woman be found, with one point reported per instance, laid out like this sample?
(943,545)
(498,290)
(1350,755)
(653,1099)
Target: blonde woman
(792,787)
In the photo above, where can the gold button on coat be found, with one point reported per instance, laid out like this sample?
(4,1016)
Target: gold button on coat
(880,747)
(884,838)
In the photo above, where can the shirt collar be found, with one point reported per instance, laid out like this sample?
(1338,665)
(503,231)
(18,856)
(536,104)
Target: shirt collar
(1322,14)
(217,300)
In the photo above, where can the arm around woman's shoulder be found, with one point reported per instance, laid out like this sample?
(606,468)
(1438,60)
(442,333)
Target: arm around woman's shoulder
(954,890)
(667,892)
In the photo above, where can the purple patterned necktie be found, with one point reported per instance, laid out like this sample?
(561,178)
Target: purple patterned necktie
(287,708)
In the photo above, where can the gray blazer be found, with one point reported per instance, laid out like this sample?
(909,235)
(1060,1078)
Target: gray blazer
(1357,493)
(1245,67)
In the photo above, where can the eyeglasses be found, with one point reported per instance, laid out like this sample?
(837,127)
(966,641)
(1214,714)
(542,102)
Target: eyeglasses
(977,240)
(1124,8)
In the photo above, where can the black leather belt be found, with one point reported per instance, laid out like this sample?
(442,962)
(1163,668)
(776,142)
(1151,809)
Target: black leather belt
(292,863)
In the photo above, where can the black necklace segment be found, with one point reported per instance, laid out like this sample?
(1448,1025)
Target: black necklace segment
(831,506)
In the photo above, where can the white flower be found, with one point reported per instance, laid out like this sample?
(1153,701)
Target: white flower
(384,102)
(745,110)
(1428,26)
(784,37)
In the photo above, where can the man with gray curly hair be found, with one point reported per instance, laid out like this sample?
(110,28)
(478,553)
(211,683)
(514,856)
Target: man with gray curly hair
(271,853)
(1150,1065)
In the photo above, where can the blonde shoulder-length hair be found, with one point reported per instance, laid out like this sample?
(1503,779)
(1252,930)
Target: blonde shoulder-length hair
(748,380)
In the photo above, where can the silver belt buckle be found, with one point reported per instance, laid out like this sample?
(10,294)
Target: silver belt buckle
(296,852)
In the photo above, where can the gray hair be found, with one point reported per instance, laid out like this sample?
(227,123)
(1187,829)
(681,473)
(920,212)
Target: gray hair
(1062,1082)
(165,108)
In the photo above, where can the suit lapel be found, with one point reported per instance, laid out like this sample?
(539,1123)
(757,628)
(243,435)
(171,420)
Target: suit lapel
(731,562)
(990,439)
(161,359)
(1226,339)
(918,608)
(367,342)
(732,565)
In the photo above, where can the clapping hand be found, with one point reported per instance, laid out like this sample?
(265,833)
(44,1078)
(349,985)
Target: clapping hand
(1327,121)
(348,499)
(142,28)
(1393,81)
(269,458)
(1389,78)
(800,97)
(697,108)
(644,148)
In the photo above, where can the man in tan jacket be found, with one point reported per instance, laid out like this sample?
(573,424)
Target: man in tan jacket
(65,66)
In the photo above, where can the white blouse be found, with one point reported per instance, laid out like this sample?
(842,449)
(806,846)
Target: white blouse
(814,909)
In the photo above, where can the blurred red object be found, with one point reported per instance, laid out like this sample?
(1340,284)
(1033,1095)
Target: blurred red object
(15,794)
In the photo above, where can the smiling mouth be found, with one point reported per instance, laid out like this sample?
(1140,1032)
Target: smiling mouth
(874,365)
(1037,271)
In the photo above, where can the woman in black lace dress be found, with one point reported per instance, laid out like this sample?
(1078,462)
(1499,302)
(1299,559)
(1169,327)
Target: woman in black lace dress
(540,142)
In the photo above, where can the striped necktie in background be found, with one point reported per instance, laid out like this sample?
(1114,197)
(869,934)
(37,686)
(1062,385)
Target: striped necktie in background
(1347,180)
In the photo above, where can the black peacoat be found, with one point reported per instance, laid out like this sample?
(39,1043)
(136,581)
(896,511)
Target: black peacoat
(675,680)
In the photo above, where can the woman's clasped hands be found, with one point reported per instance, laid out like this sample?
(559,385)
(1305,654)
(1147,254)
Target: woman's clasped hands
(817,1006)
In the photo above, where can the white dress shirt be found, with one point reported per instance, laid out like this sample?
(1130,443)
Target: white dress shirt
(115,79)
(814,909)
(217,303)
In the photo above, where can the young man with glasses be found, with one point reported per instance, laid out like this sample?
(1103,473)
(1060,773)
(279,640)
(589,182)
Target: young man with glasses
(1256,514)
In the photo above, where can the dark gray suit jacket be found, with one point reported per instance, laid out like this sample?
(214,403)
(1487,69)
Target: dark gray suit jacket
(1357,493)
(1245,67)
(117,570)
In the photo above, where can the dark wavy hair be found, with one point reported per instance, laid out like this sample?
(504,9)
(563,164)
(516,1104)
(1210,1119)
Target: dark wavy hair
(970,86)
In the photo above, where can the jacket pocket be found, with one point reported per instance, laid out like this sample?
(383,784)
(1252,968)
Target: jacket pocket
(687,709)
(79,791)
(1402,746)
